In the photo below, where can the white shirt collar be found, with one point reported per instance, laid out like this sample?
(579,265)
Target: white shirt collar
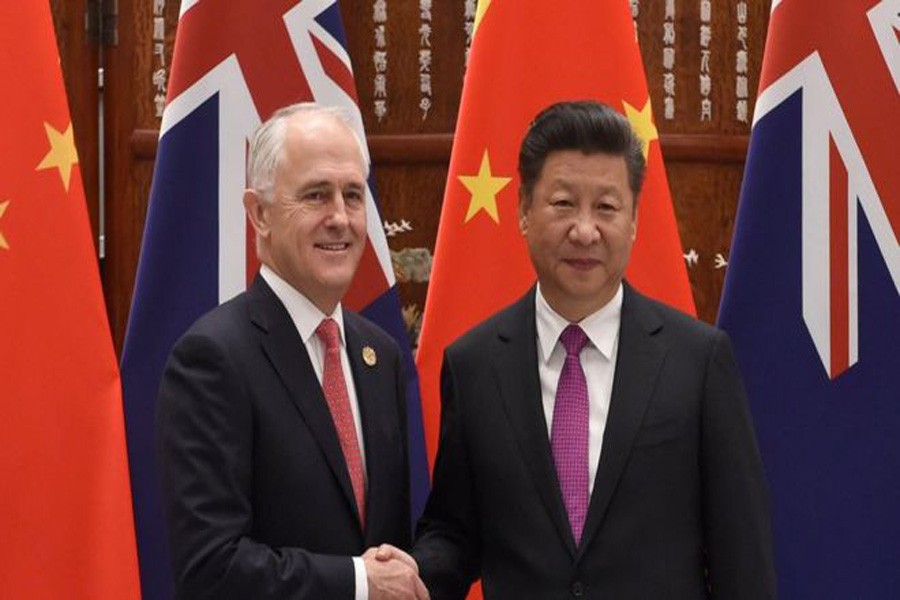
(601,327)
(305,315)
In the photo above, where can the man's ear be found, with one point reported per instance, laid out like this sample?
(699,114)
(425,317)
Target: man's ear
(523,213)
(257,211)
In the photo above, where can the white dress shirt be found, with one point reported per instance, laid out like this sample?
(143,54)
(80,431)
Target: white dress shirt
(307,318)
(598,360)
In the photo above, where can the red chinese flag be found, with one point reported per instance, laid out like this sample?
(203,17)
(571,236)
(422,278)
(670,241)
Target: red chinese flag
(65,506)
(525,56)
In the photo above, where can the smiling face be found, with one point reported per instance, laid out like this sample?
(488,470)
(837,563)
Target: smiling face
(312,231)
(580,224)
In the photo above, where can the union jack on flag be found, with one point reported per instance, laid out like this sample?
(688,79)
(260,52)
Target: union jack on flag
(235,62)
(812,294)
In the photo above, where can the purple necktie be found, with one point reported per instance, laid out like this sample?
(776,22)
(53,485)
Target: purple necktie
(569,431)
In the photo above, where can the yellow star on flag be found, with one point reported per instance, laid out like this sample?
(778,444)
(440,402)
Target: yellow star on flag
(642,123)
(3,244)
(484,188)
(62,154)
(482,8)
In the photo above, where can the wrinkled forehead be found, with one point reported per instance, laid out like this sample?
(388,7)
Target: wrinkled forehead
(318,135)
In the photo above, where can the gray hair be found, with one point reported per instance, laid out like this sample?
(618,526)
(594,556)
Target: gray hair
(267,144)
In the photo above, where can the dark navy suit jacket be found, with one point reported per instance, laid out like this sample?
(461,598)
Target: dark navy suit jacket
(257,493)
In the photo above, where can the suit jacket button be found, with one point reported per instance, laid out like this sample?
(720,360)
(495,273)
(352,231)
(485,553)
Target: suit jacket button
(578,589)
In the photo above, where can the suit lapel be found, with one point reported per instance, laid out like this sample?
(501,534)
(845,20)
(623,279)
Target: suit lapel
(638,363)
(287,353)
(519,382)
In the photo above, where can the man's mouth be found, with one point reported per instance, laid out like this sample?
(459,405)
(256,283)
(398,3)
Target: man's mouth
(582,264)
(334,246)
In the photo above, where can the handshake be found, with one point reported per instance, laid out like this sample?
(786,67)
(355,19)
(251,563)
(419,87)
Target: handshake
(393,574)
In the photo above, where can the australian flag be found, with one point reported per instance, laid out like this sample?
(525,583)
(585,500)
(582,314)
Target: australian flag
(235,62)
(812,294)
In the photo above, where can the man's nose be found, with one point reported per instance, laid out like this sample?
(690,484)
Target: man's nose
(338,211)
(584,231)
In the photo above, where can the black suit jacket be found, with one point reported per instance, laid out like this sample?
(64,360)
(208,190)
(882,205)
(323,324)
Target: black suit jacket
(257,493)
(679,505)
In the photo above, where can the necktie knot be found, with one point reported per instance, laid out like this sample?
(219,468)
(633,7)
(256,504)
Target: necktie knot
(329,333)
(574,339)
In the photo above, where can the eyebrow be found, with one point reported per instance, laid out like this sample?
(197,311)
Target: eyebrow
(565,185)
(612,191)
(325,183)
(315,184)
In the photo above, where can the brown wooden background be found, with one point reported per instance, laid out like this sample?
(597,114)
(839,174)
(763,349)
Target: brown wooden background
(704,160)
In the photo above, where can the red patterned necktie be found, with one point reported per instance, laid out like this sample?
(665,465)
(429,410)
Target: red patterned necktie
(569,430)
(335,387)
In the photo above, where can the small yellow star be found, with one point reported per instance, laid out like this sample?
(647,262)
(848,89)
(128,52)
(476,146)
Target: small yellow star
(484,188)
(3,244)
(62,154)
(642,123)
(483,6)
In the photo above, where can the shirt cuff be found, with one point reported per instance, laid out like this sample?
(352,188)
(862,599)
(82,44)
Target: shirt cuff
(360,579)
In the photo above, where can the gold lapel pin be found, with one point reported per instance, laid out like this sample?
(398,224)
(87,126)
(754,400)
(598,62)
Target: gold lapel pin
(369,356)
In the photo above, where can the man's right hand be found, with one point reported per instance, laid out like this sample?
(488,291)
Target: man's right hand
(393,574)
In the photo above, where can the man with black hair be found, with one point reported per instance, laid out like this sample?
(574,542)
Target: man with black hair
(594,443)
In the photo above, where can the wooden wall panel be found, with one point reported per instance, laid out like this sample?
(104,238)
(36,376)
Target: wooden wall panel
(705,197)
(704,159)
(79,61)
(403,44)
(130,91)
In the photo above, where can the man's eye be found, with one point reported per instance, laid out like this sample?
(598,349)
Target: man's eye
(562,203)
(354,198)
(315,196)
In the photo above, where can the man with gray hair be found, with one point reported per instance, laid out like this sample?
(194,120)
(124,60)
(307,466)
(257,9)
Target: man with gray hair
(282,418)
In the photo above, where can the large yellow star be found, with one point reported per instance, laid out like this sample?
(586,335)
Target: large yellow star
(3,244)
(62,154)
(484,188)
(642,123)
